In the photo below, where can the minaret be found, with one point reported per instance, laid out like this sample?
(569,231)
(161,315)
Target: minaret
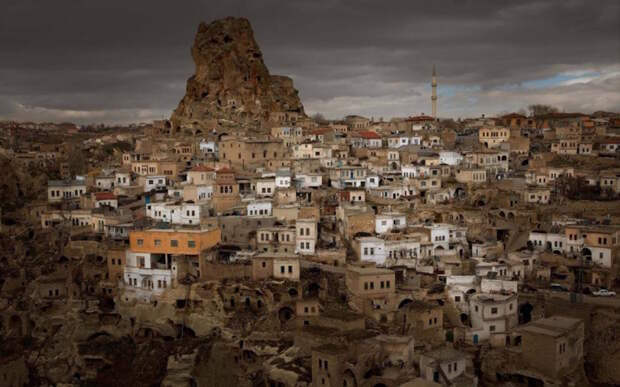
(434,95)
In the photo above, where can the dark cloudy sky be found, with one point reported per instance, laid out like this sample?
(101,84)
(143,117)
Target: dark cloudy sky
(128,60)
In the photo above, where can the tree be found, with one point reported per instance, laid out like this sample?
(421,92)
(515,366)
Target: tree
(78,164)
(319,118)
(540,110)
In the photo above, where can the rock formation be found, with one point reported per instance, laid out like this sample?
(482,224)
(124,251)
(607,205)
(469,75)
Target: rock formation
(232,83)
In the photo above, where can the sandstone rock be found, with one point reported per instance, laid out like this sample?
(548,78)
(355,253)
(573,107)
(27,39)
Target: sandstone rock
(232,84)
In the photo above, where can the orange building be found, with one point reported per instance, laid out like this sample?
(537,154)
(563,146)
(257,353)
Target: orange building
(176,242)
(159,258)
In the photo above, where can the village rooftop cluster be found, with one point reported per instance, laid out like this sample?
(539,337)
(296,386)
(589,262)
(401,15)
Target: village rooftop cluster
(382,253)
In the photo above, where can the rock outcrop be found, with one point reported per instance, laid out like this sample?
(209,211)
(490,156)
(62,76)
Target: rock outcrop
(232,84)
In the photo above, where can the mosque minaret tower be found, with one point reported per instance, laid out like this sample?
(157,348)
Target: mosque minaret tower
(434,95)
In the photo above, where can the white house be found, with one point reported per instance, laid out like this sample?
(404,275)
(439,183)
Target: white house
(403,251)
(492,315)
(440,236)
(58,190)
(283,178)
(305,236)
(372,181)
(458,289)
(371,249)
(445,236)
(259,208)
(398,141)
(443,365)
(390,221)
(185,213)
(122,178)
(415,140)
(208,147)
(602,255)
(202,192)
(450,158)
(409,171)
(104,182)
(309,180)
(265,187)
(154,181)
(147,275)
(541,240)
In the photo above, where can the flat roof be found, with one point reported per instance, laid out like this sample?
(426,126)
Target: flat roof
(367,270)
(445,354)
(551,326)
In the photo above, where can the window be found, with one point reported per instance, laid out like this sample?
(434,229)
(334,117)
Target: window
(140,242)
(174,243)
(157,242)
(290,269)
(493,310)
(281,269)
(492,328)
(191,243)
(365,285)
(457,298)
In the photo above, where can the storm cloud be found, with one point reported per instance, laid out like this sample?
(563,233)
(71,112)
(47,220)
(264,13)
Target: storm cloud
(127,61)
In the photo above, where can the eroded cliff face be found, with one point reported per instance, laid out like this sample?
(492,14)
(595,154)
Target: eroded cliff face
(232,83)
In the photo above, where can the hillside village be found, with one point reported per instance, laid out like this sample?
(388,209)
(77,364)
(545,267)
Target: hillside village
(396,251)
(277,249)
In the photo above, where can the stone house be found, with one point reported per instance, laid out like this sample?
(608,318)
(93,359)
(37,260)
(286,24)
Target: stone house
(355,219)
(471,175)
(306,236)
(492,317)
(276,239)
(493,137)
(422,320)
(60,190)
(552,347)
(226,191)
(246,152)
(448,367)
(372,290)
(284,266)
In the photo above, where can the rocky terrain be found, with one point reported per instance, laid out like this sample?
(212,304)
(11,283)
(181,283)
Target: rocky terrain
(232,83)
